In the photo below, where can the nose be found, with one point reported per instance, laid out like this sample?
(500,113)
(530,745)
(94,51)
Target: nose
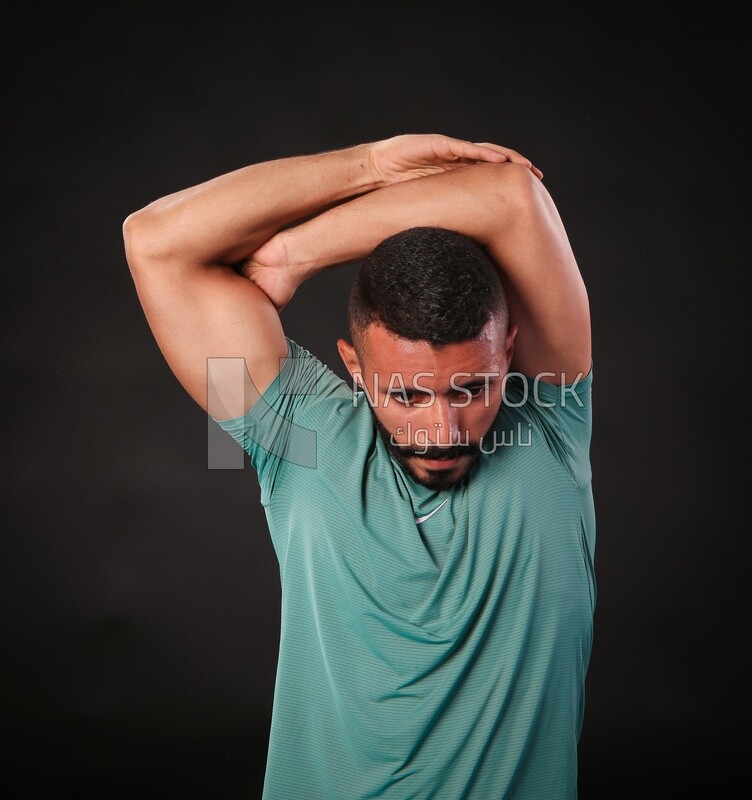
(445,422)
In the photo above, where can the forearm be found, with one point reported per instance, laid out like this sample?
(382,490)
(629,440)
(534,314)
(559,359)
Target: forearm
(476,200)
(225,219)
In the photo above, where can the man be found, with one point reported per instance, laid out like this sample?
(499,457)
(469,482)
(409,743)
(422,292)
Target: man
(435,529)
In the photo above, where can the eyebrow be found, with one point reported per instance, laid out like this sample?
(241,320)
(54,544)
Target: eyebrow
(472,383)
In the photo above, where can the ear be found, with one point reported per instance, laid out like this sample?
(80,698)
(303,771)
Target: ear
(509,344)
(350,358)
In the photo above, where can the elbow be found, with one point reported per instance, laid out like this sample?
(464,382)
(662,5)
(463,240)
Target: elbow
(513,190)
(527,196)
(139,240)
(524,185)
(130,228)
(130,224)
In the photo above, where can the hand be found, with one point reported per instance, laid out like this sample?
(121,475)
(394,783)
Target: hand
(408,156)
(269,269)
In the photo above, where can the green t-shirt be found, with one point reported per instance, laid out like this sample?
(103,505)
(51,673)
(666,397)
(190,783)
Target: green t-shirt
(441,659)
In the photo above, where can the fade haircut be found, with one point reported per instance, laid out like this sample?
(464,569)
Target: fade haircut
(427,284)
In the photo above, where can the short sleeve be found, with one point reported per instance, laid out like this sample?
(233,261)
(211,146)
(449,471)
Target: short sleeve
(562,414)
(274,432)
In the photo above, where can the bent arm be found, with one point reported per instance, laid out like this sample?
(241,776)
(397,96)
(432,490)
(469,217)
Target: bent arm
(506,209)
(181,248)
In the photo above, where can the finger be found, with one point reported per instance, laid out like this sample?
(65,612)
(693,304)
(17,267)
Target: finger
(471,151)
(514,157)
(479,152)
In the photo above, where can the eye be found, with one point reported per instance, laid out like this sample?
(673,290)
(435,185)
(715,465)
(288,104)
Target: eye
(399,396)
(475,391)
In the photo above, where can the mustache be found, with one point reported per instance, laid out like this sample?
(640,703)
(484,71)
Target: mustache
(437,453)
(432,452)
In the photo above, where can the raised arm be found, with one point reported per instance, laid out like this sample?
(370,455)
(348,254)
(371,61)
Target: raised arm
(183,251)
(504,207)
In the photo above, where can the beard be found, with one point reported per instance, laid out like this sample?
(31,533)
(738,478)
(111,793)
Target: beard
(437,479)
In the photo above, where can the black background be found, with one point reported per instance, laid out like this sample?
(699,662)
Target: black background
(140,590)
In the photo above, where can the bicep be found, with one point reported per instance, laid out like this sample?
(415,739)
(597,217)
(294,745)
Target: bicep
(219,333)
(546,293)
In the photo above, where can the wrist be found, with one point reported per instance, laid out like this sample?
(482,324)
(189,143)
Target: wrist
(365,177)
(291,252)
(283,254)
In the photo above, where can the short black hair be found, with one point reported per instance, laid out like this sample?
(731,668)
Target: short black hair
(427,284)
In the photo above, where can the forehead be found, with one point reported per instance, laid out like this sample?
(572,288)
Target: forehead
(386,353)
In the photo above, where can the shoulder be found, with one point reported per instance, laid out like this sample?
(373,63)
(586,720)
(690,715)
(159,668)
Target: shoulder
(550,418)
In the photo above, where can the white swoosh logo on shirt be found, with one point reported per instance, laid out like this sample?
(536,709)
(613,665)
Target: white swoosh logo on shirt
(430,514)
